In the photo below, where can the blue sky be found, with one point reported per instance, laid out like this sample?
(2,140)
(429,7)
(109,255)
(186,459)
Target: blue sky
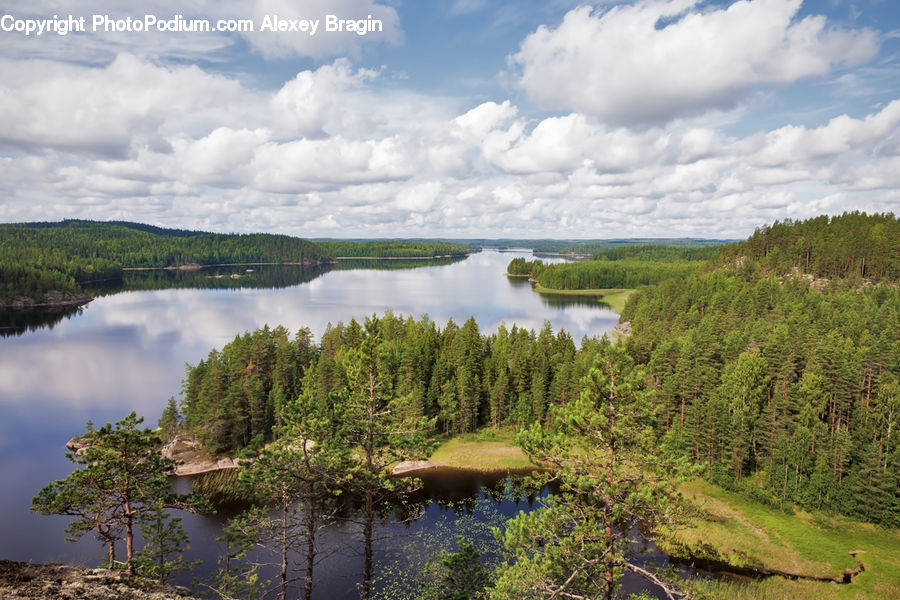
(462,118)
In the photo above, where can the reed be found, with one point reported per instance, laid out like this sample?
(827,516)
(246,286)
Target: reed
(221,487)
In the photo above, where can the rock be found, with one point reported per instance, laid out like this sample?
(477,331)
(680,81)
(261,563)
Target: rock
(408,466)
(27,581)
(623,329)
(76,444)
(193,460)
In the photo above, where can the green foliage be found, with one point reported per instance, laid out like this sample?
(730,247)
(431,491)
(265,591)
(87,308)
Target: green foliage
(603,451)
(456,377)
(456,575)
(416,570)
(519,266)
(605,274)
(762,377)
(618,267)
(236,578)
(122,478)
(392,248)
(238,394)
(658,253)
(853,246)
(165,543)
(593,247)
(300,476)
(170,419)
(37,258)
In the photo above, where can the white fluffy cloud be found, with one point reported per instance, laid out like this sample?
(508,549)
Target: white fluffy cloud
(658,60)
(309,104)
(46,105)
(288,43)
(336,150)
(97,47)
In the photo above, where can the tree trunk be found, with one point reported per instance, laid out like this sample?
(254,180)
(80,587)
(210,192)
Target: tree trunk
(369,510)
(282,594)
(111,548)
(310,543)
(368,575)
(129,538)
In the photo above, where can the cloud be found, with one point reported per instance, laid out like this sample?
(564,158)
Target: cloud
(70,108)
(100,46)
(309,105)
(288,43)
(658,60)
(331,152)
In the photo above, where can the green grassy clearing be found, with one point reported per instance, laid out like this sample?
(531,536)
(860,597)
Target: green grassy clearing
(746,533)
(616,298)
(488,450)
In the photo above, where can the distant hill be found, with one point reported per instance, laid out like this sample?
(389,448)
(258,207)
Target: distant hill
(45,263)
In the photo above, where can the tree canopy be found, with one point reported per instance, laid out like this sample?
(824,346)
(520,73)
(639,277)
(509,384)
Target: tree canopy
(121,479)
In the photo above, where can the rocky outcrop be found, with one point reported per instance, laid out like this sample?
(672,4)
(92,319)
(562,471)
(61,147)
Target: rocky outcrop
(408,466)
(187,451)
(21,581)
(51,299)
(623,329)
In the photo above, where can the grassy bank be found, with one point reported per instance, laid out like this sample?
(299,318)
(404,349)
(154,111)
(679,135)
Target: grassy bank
(488,450)
(616,298)
(746,533)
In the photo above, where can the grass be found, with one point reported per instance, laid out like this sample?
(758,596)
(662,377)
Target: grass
(220,487)
(616,298)
(488,450)
(747,533)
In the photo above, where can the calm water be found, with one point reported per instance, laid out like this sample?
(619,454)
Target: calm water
(127,351)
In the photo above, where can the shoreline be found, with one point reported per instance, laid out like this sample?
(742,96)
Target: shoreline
(614,297)
(438,257)
(23,304)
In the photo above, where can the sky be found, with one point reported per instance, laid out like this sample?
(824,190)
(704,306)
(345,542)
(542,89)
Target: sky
(450,118)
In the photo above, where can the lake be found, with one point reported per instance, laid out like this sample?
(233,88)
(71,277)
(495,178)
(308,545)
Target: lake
(127,351)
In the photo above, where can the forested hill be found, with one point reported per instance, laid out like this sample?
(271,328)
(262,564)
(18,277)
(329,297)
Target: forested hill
(780,385)
(616,267)
(39,258)
(393,248)
(133,245)
(854,246)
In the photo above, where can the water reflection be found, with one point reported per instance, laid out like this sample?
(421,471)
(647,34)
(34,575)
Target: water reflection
(19,321)
(561,301)
(233,277)
(127,351)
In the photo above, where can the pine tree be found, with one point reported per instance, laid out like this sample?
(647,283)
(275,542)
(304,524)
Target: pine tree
(165,543)
(602,450)
(122,477)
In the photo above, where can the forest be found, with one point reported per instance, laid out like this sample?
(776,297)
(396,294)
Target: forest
(616,267)
(596,248)
(37,258)
(43,262)
(392,248)
(748,370)
(456,376)
(776,366)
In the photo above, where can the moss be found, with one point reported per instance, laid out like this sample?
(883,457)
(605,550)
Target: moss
(743,532)
(488,450)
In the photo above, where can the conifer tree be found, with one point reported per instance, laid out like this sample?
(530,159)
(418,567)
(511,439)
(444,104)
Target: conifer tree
(602,449)
(122,477)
